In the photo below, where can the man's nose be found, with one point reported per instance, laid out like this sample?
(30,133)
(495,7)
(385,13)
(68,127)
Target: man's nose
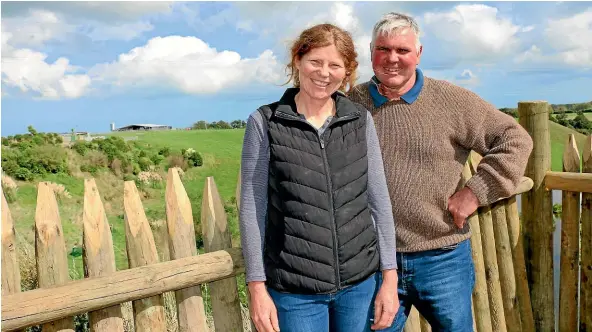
(393,57)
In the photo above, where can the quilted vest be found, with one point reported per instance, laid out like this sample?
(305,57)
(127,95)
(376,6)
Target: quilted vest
(320,236)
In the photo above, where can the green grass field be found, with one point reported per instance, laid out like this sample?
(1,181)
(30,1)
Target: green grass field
(221,150)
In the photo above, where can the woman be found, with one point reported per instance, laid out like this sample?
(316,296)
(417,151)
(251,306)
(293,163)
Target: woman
(315,219)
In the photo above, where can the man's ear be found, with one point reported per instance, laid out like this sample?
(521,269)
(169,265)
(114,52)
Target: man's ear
(419,53)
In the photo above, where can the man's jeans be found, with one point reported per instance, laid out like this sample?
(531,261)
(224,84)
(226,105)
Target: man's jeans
(348,310)
(439,283)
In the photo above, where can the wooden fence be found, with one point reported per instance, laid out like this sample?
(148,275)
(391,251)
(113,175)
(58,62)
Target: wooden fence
(512,255)
(104,289)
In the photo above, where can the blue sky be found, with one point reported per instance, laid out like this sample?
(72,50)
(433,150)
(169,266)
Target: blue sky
(84,65)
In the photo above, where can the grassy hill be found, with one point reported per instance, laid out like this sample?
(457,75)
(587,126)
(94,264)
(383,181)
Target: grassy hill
(221,159)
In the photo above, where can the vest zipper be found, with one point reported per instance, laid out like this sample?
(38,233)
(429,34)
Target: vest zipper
(329,184)
(331,207)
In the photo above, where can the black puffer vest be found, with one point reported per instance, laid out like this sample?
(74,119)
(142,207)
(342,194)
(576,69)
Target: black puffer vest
(320,236)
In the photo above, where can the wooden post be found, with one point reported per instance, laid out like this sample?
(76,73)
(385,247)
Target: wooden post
(141,250)
(412,324)
(11,276)
(537,210)
(519,265)
(79,296)
(506,266)
(223,293)
(586,256)
(190,306)
(99,258)
(50,248)
(570,246)
(424,325)
(496,306)
(480,296)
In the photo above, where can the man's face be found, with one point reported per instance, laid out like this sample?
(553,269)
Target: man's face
(395,57)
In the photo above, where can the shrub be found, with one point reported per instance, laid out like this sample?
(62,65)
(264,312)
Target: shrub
(165,152)
(23,174)
(193,157)
(51,159)
(96,158)
(156,159)
(81,147)
(176,160)
(144,163)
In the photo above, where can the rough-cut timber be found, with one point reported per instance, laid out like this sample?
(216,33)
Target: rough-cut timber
(149,313)
(11,276)
(586,263)
(99,258)
(506,267)
(537,211)
(480,295)
(224,293)
(48,304)
(50,249)
(190,306)
(516,243)
(570,246)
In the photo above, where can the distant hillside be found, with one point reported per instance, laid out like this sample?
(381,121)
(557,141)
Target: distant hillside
(556,108)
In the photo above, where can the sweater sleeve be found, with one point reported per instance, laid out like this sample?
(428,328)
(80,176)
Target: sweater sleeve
(504,145)
(253,197)
(379,200)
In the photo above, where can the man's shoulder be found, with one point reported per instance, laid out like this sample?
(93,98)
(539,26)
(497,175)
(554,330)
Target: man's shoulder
(444,88)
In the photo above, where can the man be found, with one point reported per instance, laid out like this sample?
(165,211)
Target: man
(427,128)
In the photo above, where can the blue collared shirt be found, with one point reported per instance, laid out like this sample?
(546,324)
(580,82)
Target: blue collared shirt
(408,97)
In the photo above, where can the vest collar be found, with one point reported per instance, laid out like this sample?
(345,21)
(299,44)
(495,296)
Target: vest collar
(343,105)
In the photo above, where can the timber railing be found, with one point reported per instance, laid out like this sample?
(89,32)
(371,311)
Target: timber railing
(512,253)
(104,289)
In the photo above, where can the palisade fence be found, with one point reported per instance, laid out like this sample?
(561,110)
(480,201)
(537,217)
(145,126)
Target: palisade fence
(512,255)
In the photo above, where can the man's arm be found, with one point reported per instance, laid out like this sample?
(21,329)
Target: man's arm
(505,147)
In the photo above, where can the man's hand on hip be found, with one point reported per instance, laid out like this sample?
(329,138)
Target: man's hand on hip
(461,205)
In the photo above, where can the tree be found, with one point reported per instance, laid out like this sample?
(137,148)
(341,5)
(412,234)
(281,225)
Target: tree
(223,125)
(201,124)
(236,124)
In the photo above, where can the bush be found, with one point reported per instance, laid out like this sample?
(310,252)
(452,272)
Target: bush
(145,163)
(193,157)
(96,158)
(157,159)
(165,152)
(23,174)
(176,160)
(81,147)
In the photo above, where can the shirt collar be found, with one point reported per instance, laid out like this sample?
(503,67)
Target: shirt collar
(409,97)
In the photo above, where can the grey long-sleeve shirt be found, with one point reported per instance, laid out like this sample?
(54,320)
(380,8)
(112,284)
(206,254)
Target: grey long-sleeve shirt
(253,200)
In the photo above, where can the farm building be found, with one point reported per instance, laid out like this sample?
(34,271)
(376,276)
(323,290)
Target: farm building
(141,126)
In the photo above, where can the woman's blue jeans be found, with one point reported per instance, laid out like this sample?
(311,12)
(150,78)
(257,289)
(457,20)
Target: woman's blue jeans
(348,310)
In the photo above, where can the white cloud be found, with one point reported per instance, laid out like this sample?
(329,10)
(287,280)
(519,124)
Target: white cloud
(572,37)
(28,70)
(38,27)
(473,32)
(105,11)
(125,31)
(467,78)
(188,64)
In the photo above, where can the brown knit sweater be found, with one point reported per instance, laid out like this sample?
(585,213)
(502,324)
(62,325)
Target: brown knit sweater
(425,146)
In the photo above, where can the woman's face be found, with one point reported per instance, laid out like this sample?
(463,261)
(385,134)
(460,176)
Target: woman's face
(321,72)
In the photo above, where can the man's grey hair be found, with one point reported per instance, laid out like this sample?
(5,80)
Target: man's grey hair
(394,23)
